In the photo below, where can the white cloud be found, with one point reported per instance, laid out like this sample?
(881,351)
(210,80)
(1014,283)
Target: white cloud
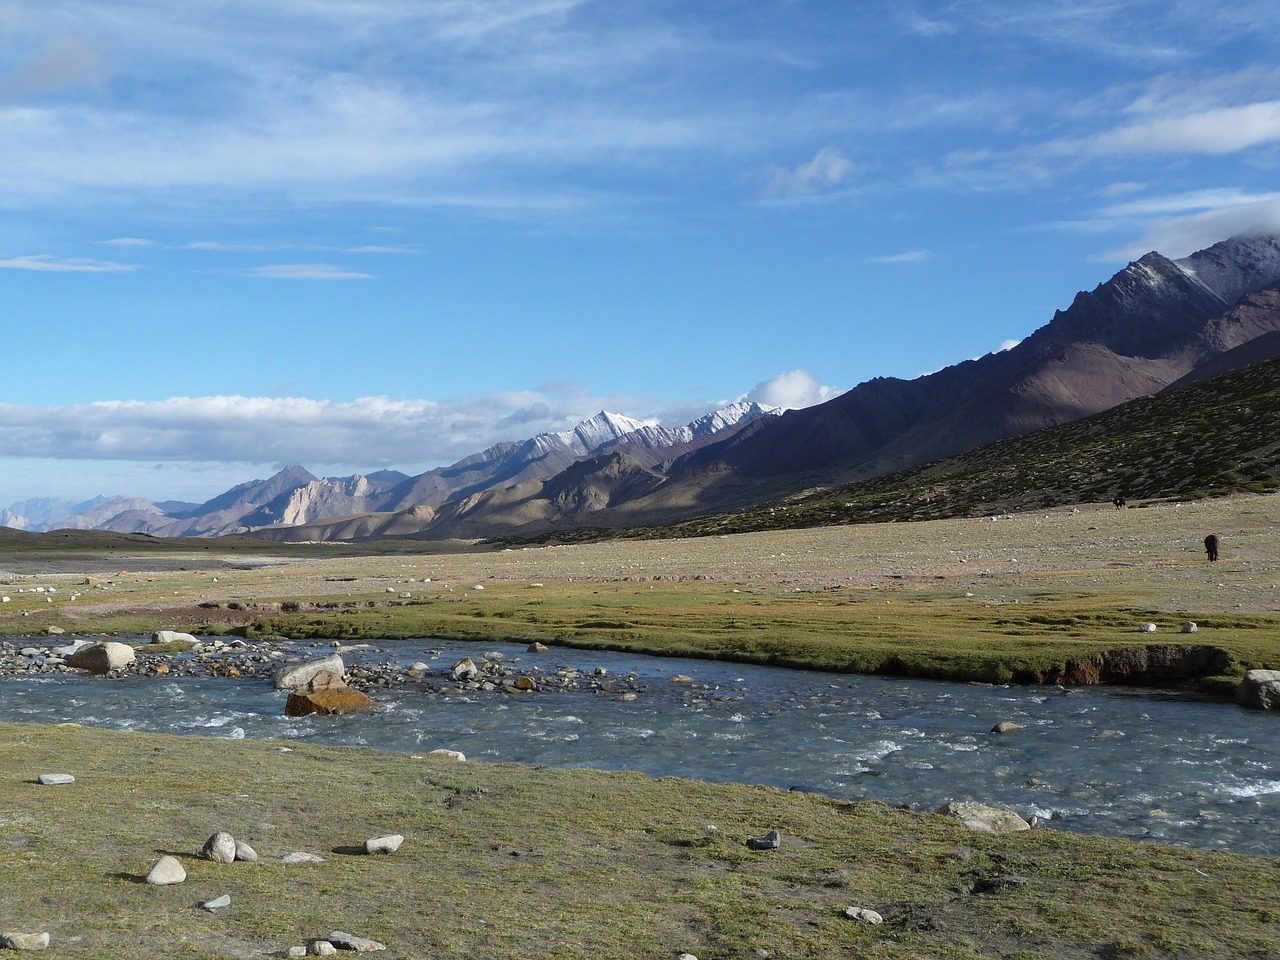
(1228,129)
(47,262)
(829,168)
(200,433)
(1210,199)
(906,256)
(792,390)
(128,242)
(1179,236)
(307,271)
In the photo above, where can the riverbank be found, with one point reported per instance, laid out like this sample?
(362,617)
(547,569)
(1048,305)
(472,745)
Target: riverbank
(1043,597)
(502,861)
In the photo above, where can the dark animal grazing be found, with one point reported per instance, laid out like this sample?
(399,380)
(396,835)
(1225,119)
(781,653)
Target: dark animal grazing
(1119,502)
(1211,546)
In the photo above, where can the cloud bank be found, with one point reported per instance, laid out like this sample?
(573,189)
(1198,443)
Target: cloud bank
(364,434)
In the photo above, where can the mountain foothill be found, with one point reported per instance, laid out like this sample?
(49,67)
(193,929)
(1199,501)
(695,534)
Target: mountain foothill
(1158,325)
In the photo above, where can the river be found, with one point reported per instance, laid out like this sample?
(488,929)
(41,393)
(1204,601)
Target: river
(1097,760)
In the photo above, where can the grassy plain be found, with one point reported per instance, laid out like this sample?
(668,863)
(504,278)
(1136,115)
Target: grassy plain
(999,598)
(502,861)
(509,862)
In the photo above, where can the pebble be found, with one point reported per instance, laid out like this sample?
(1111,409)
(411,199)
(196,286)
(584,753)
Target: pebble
(54,779)
(323,948)
(217,903)
(25,941)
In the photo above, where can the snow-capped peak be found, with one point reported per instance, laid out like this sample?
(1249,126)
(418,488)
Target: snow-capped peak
(590,435)
(1236,267)
(729,416)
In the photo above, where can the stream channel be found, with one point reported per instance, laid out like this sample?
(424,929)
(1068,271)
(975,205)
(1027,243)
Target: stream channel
(1100,760)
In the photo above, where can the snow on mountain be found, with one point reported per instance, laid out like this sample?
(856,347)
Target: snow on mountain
(1236,267)
(590,435)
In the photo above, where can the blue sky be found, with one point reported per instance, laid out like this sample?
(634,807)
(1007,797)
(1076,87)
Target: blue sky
(358,234)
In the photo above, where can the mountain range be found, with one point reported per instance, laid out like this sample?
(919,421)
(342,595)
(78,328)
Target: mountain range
(294,496)
(1156,324)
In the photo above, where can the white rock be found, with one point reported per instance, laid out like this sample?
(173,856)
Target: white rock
(102,657)
(323,948)
(245,852)
(217,903)
(1148,628)
(388,844)
(25,941)
(985,818)
(1260,689)
(172,636)
(220,848)
(55,779)
(863,915)
(300,857)
(167,870)
(1190,627)
(287,678)
(451,754)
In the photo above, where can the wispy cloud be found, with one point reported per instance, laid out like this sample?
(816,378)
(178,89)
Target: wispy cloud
(1180,236)
(828,169)
(129,242)
(906,256)
(1196,200)
(307,271)
(61,63)
(1228,129)
(47,262)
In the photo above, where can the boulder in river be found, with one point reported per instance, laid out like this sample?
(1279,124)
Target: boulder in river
(172,636)
(1260,689)
(102,657)
(300,674)
(326,702)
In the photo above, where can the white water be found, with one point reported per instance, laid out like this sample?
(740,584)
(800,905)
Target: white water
(1092,760)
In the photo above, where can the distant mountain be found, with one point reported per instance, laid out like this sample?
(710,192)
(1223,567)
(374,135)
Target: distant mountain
(40,513)
(294,497)
(1153,323)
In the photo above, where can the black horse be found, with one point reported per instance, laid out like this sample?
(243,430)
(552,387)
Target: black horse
(1211,546)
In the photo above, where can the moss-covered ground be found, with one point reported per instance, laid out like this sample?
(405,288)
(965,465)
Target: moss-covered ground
(503,861)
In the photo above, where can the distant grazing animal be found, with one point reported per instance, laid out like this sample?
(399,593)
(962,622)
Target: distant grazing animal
(1211,546)
(1119,502)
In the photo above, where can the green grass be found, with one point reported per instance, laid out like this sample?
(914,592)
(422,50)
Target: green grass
(502,861)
